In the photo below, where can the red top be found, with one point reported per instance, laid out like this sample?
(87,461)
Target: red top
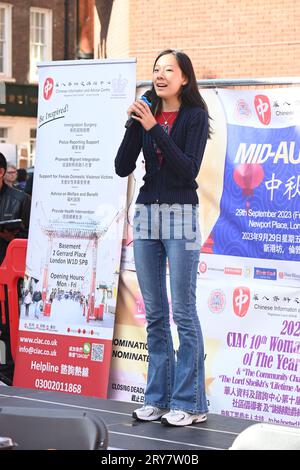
(165,120)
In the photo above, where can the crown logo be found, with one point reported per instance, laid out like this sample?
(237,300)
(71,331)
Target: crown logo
(119,84)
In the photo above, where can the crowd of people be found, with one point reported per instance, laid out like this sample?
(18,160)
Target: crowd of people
(15,204)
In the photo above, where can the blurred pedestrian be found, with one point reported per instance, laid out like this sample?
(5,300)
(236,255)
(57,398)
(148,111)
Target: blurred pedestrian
(27,301)
(10,177)
(29,185)
(21,179)
(14,204)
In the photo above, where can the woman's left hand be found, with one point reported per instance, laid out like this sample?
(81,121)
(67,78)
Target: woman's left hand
(143,114)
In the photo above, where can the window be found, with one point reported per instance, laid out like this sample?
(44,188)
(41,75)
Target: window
(3,135)
(32,147)
(5,40)
(40,39)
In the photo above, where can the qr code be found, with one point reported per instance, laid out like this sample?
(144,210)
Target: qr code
(97,352)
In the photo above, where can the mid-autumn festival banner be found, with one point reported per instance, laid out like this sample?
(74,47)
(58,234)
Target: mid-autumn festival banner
(76,227)
(249,272)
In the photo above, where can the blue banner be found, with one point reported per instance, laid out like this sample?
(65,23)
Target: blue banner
(260,205)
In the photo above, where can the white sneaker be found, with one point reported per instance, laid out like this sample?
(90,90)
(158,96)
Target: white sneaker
(148,413)
(182,418)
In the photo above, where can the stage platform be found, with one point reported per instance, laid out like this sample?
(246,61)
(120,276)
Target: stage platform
(217,433)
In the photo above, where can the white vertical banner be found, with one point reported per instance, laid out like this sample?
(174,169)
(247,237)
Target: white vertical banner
(76,227)
(249,289)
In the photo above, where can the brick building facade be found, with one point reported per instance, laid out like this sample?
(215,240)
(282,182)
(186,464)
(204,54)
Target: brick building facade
(62,47)
(224,38)
(30,31)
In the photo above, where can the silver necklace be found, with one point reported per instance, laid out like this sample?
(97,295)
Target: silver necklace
(166,120)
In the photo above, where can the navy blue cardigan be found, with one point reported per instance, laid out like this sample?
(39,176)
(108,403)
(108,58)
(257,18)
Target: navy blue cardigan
(173,181)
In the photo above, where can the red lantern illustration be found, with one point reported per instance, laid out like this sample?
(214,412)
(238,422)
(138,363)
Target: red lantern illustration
(248,176)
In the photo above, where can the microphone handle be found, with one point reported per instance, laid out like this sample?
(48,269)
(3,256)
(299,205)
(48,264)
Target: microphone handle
(130,120)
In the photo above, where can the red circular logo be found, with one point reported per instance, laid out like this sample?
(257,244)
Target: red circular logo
(48,88)
(241,300)
(263,109)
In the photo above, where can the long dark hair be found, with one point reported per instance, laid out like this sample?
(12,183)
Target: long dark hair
(189,95)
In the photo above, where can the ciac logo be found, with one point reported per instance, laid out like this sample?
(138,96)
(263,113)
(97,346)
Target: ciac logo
(2,352)
(263,109)
(241,301)
(48,88)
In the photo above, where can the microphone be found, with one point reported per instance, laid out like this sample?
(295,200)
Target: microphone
(146,97)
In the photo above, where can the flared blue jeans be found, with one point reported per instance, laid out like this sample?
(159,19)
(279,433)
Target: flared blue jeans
(170,233)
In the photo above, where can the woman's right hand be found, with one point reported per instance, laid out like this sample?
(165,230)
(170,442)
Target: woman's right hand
(141,112)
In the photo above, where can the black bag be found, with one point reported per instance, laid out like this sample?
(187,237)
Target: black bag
(53,428)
